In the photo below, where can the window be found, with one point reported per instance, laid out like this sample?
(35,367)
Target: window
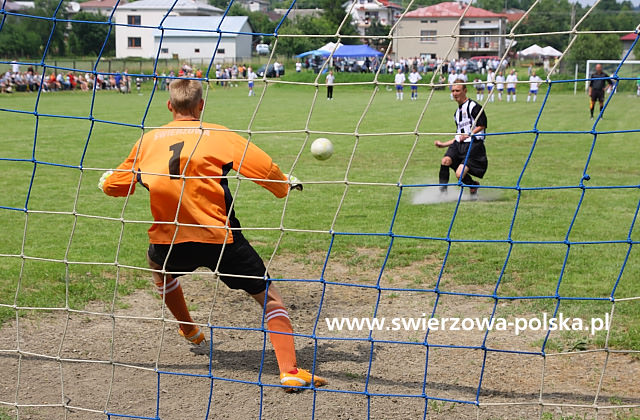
(428,36)
(133,20)
(196,50)
(471,21)
(134,42)
(487,21)
(429,21)
(433,21)
(220,50)
(164,50)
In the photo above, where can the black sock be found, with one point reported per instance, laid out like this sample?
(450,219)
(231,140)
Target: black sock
(444,174)
(467,180)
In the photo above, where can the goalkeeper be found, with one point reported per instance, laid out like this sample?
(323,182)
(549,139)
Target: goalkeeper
(184,166)
(598,82)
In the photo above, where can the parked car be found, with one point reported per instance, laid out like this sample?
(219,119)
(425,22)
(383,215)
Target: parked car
(472,66)
(262,49)
(270,71)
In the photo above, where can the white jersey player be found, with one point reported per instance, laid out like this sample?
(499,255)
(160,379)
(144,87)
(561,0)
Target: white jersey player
(500,85)
(534,82)
(512,79)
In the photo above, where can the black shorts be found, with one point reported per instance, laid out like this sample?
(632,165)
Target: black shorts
(597,95)
(238,259)
(477,161)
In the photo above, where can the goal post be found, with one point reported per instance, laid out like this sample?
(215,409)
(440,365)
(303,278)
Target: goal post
(629,69)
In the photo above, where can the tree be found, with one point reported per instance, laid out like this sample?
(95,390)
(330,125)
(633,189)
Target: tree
(596,47)
(378,29)
(88,38)
(493,5)
(17,38)
(334,14)
(50,32)
(548,16)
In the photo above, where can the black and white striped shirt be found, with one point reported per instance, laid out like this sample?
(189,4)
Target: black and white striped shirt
(465,116)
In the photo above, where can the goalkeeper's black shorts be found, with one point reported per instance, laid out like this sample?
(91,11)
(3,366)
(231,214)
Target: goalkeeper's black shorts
(477,161)
(240,262)
(597,95)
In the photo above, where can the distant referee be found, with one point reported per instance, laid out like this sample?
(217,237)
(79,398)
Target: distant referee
(596,88)
(471,123)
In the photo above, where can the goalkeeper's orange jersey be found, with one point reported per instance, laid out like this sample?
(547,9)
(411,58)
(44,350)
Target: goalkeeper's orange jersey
(182,148)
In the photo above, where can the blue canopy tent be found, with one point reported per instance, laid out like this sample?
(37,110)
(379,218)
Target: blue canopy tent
(346,51)
(356,51)
(314,52)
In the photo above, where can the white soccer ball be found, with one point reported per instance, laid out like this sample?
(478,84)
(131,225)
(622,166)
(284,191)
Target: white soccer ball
(322,148)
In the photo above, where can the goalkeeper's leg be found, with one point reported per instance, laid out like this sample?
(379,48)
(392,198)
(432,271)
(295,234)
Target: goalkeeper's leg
(281,336)
(174,299)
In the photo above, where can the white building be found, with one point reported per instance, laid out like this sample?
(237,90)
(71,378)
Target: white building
(365,12)
(254,5)
(198,40)
(433,31)
(138,21)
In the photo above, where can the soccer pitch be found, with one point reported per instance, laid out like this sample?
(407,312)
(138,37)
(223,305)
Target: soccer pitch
(381,203)
(543,215)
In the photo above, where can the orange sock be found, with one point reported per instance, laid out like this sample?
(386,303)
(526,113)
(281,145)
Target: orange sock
(283,345)
(174,299)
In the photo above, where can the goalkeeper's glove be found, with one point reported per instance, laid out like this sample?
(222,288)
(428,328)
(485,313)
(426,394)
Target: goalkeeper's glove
(103,178)
(295,182)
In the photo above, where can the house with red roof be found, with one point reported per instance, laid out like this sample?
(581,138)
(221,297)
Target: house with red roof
(627,43)
(101,7)
(365,12)
(433,31)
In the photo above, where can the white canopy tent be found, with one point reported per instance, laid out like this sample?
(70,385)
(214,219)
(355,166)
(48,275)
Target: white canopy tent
(330,47)
(549,51)
(535,49)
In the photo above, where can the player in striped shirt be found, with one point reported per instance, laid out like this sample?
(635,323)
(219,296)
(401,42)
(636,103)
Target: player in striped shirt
(466,154)
(185,165)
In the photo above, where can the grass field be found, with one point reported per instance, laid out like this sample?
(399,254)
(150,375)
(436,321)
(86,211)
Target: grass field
(61,226)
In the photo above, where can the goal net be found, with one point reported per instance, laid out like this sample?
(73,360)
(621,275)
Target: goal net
(413,302)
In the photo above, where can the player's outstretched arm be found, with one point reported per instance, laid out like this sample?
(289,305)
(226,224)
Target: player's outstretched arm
(119,183)
(252,162)
(443,144)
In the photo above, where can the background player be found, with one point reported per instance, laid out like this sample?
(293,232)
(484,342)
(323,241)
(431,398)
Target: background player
(599,79)
(471,124)
(399,81)
(491,78)
(206,153)
(479,85)
(534,82)
(512,79)
(251,77)
(329,81)
(500,85)
(414,78)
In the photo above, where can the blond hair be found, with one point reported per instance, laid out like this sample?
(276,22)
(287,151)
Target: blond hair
(185,95)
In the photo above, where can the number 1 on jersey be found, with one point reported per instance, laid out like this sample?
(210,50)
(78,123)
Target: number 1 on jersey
(174,161)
